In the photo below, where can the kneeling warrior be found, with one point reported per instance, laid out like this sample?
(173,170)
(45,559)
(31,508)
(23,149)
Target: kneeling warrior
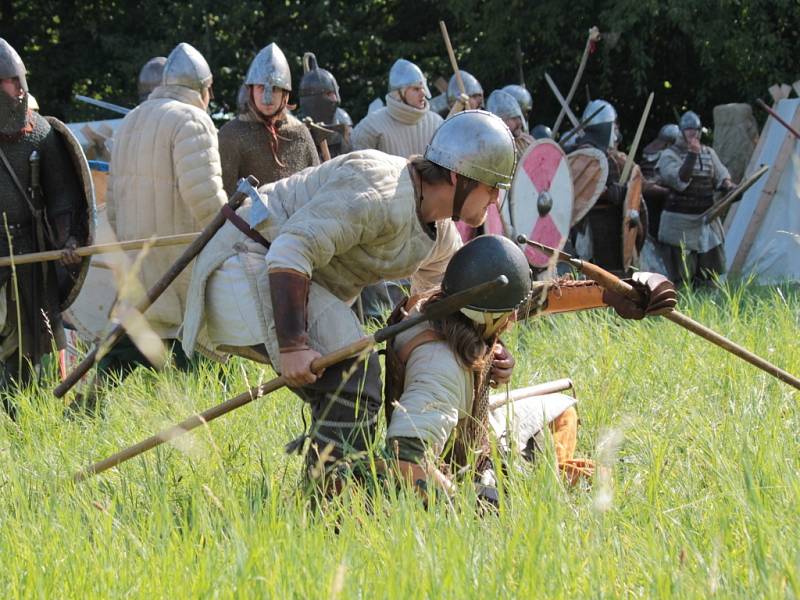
(330,231)
(439,374)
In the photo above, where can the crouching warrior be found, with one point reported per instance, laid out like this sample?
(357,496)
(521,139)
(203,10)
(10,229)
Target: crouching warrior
(326,233)
(47,201)
(439,373)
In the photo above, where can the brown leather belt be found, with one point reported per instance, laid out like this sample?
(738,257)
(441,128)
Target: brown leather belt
(242,226)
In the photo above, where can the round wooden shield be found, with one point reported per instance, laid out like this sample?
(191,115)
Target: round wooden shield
(589,170)
(631,218)
(540,202)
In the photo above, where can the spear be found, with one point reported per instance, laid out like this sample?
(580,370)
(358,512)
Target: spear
(626,170)
(51,255)
(615,284)
(433,311)
(591,41)
(736,193)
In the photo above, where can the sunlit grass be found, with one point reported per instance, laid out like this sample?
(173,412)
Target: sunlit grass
(703,499)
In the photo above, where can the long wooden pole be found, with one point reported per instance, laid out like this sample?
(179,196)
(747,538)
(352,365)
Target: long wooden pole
(774,114)
(52,255)
(550,387)
(452,55)
(614,283)
(732,196)
(158,288)
(626,170)
(433,311)
(591,40)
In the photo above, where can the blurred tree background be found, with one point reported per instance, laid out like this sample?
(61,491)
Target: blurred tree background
(692,54)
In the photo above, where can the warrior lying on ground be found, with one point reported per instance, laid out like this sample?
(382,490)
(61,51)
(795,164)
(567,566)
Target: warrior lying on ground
(331,230)
(438,373)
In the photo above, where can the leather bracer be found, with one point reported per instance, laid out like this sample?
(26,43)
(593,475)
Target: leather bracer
(288,290)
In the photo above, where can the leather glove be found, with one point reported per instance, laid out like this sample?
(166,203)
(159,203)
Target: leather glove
(658,296)
(289,293)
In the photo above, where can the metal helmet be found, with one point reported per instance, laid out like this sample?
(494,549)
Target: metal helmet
(150,76)
(542,131)
(315,87)
(270,69)
(504,105)
(690,120)
(477,145)
(522,96)
(342,117)
(607,115)
(471,86)
(187,67)
(404,73)
(669,133)
(11,64)
(483,259)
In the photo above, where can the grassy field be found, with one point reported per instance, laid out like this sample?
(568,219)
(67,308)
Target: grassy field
(703,497)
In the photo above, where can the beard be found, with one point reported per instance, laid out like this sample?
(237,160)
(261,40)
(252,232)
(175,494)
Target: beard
(13,114)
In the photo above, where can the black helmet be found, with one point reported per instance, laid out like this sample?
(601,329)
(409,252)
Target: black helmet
(482,259)
(315,84)
(542,132)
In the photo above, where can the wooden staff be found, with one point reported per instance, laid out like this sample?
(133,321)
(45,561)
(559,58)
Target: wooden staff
(626,170)
(453,62)
(551,387)
(51,255)
(435,310)
(778,118)
(615,284)
(591,40)
(162,284)
(732,196)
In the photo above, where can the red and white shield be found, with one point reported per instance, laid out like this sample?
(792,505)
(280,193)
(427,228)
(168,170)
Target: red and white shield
(540,199)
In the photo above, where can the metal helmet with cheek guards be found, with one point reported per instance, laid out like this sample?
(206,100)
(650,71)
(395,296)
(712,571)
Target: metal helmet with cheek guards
(599,130)
(186,67)
(690,120)
(270,69)
(11,64)
(521,95)
(315,88)
(477,145)
(504,105)
(483,259)
(669,133)
(150,76)
(404,74)
(471,86)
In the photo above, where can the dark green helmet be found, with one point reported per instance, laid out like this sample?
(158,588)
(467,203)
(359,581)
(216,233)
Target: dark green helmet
(482,259)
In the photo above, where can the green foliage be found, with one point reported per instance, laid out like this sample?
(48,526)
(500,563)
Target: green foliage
(692,54)
(700,497)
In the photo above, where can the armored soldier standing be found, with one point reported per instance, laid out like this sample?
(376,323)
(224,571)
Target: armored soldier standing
(320,101)
(524,99)
(150,76)
(265,140)
(505,106)
(692,171)
(44,208)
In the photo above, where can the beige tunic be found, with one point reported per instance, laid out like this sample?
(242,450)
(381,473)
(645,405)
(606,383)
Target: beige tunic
(348,223)
(165,179)
(397,128)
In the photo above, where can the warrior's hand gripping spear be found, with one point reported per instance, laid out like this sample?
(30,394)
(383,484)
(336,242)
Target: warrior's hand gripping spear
(615,284)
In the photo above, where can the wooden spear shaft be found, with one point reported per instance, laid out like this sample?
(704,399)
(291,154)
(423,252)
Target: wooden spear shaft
(614,283)
(594,36)
(51,255)
(550,387)
(452,55)
(626,170)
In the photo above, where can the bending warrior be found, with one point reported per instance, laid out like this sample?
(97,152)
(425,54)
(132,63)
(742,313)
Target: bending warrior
(692,171)
(44,208)
(319,102)
(598,236)
(332,230)
(439,374)
(406,124)
(165,179)
(265,140)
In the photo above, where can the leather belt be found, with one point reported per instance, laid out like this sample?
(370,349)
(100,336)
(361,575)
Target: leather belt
(242,226)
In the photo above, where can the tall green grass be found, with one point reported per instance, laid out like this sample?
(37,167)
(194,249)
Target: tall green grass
(702,496)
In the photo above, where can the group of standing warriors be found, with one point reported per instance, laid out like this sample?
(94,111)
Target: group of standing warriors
(280,277)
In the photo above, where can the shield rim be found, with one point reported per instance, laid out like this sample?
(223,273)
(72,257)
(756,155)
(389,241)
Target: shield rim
(633,201)
(601,184)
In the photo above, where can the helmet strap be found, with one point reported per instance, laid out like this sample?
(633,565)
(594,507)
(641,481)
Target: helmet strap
(493,322)
(464,185)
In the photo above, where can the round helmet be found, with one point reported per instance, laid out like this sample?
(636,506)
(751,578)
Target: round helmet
(477,145)
(504,105)
(669,133)
(315,87)
(607,113)
(471,86)
(690,120)
(150,76)
(600,130)
(405,73)
(186,67)
(482,259)
(542,131)
(270,69)
(11,64)
(522,96)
